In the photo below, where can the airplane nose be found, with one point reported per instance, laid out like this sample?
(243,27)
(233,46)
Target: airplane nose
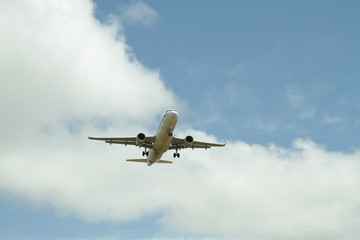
(174,114)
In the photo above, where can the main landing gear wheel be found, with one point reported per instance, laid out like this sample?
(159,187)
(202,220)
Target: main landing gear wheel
(176,155)
(145,153)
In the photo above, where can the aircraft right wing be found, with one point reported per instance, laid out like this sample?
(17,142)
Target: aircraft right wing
(146,142)
(180,143)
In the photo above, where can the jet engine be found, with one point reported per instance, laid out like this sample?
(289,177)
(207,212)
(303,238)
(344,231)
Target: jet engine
(188,141)
(140,139)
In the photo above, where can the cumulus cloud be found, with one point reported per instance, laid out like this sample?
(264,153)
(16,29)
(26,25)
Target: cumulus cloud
(58,62)
(270,192)
(64,74)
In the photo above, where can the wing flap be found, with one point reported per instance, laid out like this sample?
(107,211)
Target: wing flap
(178,143)
(148,142)
(113,138)
(196,143)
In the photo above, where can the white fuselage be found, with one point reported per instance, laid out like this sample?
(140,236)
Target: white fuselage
(163,136)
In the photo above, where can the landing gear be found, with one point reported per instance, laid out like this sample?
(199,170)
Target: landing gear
(145,153)
(170,133)
(176,154)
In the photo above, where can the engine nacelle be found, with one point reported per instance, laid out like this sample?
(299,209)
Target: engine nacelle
(188,141)
(140,139)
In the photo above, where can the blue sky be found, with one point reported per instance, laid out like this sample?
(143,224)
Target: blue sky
(278,80)
(239,63)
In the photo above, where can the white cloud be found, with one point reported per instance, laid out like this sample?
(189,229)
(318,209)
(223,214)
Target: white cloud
(308,114)
(63,74)
(139,12)
(327,119)
(263,125)
(59,62)
(294,96)
(298,100)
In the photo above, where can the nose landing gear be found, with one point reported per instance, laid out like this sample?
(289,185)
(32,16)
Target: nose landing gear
(145,153)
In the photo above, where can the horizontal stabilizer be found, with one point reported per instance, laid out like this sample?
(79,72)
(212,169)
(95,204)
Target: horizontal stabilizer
(163,161)
(145,160)
(136,160)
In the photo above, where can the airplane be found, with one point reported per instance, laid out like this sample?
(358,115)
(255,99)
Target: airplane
(161,142)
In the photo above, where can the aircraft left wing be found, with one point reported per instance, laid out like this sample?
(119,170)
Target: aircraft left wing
(180,143)
(146,143)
